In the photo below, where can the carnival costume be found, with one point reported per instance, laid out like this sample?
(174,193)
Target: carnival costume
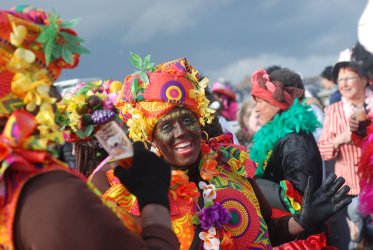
(287,157)
(222,173)
(230,211)
(35,46)
(290,154)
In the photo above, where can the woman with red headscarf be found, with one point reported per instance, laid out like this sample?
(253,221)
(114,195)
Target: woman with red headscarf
(284,147)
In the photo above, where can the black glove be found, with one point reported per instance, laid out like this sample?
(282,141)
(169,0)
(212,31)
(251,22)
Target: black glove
(320,205)
(148,177)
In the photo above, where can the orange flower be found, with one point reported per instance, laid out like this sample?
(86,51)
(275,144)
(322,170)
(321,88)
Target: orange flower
(226,242)
(189,191)
(178,177)
(208,169)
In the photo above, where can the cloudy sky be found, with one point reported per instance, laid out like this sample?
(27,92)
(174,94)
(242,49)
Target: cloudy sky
(221,38)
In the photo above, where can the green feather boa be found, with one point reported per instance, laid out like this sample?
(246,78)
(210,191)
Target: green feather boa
(299,117)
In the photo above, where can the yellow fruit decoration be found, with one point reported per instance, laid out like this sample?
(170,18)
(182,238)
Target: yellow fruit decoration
(115,86)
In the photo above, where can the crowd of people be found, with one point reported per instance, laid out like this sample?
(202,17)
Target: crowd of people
(200,170)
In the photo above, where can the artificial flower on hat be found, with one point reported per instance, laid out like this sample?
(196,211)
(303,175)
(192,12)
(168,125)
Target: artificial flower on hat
(87,106)
(35,47)
(152,92)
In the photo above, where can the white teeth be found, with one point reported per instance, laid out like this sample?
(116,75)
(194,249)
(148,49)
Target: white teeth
(182,145)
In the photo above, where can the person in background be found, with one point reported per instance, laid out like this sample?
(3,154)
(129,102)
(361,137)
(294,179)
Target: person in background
(327,81)
(43,203)
(360,210)
(284,148)
(312,99)
(228,210)
(336,141)
(249,123)
(228,108)
(272,68)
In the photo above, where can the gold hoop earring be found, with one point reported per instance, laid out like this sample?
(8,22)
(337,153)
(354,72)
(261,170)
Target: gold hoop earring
(204,138)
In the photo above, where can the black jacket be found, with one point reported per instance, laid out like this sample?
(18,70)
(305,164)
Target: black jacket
(294,158)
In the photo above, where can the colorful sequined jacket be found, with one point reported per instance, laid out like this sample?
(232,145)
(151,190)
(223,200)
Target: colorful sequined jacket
(224,169)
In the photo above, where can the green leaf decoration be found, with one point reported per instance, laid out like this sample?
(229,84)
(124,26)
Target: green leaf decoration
(117,119)
(48,49)
(90,85)
(82,91)
(47,34)
(98,106)
(80,133)
(62,119)
(150,67)
(195,219)
(139,98)
(76,49)
(56,53)
(144,77)
(70,23)
(89,130)
(208,204)
(67,55)
(146,61)
(135,86)
(135,59)
(69,38)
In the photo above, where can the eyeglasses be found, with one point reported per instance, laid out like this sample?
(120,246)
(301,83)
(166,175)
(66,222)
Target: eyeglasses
(347,79)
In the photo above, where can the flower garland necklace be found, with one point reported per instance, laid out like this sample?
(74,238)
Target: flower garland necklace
(299,117)
(212,215)
(350,109)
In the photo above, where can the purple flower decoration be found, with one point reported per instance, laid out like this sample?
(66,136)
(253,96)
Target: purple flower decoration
(214,215)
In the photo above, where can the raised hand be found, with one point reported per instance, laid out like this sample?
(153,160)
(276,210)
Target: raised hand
(148,178)
(319,205)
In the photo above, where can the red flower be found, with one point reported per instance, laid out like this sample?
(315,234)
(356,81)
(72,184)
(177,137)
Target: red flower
(205,149)
(226,242)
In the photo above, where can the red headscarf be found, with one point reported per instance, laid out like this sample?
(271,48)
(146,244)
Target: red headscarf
(273,92)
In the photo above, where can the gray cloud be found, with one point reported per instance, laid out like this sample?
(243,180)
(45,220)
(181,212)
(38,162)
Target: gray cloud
(227,38)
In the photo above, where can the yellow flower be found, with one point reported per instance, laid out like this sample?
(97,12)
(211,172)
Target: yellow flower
(115,86)
(20,60)
(18,35)
(21,84)
(37,96)
(101,95)
(74,121)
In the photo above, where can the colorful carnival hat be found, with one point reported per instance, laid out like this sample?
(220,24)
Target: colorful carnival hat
(35,47)
(150,93)
(85,107)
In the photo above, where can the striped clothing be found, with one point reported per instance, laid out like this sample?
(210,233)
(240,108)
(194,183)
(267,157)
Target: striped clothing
(347,155)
